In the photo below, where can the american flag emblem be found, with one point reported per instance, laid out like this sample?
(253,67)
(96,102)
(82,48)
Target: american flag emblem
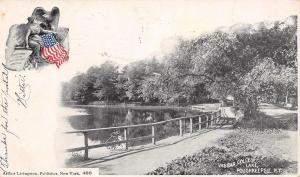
(52,51)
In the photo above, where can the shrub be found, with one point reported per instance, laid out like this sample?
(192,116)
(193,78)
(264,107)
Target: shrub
(262,121)
(237,153)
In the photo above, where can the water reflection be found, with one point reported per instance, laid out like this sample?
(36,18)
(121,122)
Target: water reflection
(99,117)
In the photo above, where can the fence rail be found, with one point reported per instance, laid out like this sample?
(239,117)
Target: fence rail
(210,120)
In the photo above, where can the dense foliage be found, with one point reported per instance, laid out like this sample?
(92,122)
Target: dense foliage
(239,153)
(250,62)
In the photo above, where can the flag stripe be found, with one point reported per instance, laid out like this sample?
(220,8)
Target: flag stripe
(52,51)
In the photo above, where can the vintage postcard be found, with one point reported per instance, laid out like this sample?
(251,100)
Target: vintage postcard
(131,87)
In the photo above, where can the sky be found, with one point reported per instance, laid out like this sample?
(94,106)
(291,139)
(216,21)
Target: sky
(127,31)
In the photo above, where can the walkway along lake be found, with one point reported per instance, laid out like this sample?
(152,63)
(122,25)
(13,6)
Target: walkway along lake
(94,117)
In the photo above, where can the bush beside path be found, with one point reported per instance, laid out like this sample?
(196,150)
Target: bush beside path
(263,145)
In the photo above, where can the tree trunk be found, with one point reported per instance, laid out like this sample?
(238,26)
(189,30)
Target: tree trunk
(251,107)
(287,96)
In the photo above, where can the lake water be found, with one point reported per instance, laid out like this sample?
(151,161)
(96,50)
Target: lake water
(92,117)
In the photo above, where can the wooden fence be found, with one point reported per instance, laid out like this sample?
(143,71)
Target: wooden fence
(210,119)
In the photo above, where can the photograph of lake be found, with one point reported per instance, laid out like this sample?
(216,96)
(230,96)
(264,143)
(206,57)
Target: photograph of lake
(181,88)
(94,117)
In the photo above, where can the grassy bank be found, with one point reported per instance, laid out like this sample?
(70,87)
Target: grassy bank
(245,151)
(262,121)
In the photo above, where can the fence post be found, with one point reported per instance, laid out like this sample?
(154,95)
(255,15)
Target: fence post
(153,134)
(191,125)
(86,144)
(184,125)
(126,138)
(199,122)
(218,116)
(207,123)
(212,120)
(180,127)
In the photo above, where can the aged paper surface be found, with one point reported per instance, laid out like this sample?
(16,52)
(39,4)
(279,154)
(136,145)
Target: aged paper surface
(72,70)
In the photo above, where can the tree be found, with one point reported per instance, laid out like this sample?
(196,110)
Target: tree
(251,62)
(81,89)
(139,77)
(237,63)
(104,81)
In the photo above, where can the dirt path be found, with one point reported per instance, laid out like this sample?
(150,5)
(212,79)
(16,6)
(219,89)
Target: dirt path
(285,147)
(275,111)
(144,159)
